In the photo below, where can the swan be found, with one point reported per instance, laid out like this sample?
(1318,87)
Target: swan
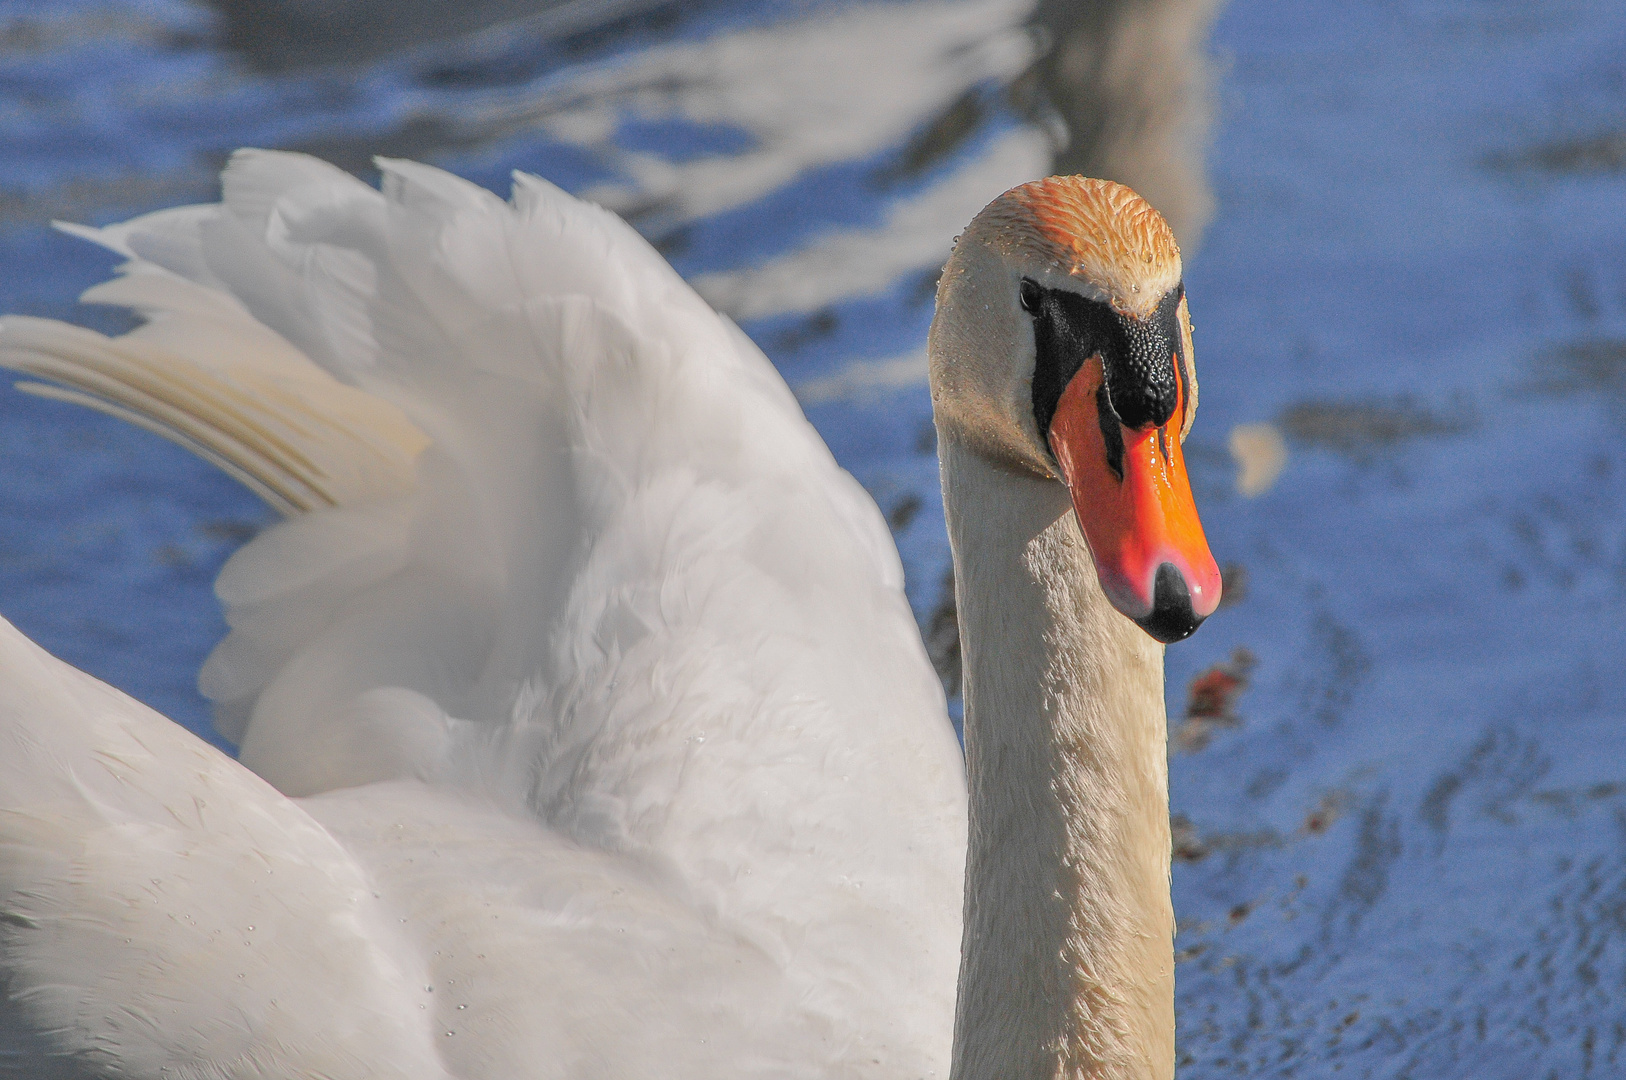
(585,730)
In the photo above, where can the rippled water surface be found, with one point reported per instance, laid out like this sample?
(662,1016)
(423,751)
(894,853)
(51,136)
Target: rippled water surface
(1398,759)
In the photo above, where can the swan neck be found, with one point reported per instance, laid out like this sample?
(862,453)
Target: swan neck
(1067,966)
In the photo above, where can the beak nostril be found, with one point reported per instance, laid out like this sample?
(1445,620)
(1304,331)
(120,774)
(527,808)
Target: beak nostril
(1172,618)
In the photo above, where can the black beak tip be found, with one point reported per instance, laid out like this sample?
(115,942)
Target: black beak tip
(1172,618)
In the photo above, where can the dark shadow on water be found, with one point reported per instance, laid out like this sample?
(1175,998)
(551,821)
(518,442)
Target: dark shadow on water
(1603,152)
(938,140)
(1597,366)
(97,199)
(289,35)
(1362,429)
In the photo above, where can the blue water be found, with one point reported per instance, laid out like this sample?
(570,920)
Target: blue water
(1404,853)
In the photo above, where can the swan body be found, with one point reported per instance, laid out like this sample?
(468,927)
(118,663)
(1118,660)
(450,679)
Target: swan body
(585,730)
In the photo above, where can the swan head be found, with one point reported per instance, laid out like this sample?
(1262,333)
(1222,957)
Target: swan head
(1062,347)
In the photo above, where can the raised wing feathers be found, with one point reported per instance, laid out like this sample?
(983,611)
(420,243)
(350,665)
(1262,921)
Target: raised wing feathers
(581,561)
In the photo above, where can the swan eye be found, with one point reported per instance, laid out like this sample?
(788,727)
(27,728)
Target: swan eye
(1029,294)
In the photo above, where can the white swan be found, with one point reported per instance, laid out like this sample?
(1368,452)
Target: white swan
(585,730)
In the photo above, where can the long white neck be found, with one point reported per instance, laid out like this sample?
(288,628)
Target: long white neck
(1067,968)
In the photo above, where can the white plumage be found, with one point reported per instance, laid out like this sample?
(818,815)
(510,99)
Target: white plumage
(600,739)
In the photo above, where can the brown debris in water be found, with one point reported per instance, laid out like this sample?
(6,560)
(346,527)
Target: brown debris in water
(1213,694)
(1324,813)
(1187,845)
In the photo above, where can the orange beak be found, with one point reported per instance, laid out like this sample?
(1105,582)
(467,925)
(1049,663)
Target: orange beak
(1142,526)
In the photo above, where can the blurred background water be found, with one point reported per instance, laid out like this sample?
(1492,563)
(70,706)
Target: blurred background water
(1398,762)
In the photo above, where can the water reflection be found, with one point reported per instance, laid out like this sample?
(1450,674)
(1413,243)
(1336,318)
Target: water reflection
(290,35)
(1132,85)
(866,133)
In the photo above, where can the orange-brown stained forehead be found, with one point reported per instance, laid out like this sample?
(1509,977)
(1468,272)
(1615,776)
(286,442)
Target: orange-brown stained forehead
(1096,230)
